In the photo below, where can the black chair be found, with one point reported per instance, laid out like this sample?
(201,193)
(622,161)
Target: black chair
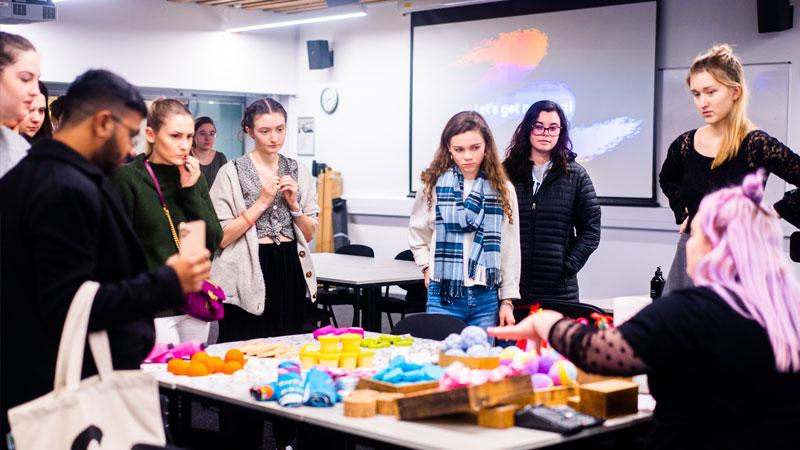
(415,299)
(574,310)
(328,298)
(429,326)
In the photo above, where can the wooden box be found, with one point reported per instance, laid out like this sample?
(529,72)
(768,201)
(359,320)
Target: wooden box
(489,362)
(382,386)
(436,403)
(610,398)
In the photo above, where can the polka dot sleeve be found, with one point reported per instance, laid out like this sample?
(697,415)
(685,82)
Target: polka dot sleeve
(604,352)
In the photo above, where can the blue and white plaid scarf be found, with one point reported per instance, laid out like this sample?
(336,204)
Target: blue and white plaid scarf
(481,212)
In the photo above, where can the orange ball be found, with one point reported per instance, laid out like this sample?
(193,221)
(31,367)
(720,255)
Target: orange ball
(234,354)
(200,357)
(231,367)
(215,364)
(177,366)
(197,369)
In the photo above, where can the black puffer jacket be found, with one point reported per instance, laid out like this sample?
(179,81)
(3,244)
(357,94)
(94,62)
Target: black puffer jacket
(559,228)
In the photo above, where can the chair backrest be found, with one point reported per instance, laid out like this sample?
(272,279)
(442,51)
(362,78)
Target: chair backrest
(405,255)
(574,310)
(356,250)
(429,326)
(415,292)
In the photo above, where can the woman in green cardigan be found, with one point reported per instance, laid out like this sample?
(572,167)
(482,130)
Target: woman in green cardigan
(170,130)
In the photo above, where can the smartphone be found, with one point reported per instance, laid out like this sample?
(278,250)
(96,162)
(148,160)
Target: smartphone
(193,237)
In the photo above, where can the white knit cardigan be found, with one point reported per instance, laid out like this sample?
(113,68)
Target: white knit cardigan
(236,267)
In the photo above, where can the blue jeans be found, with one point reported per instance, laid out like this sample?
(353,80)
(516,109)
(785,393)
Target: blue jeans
(478,305)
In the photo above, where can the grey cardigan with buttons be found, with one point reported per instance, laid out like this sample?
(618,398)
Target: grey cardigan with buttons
(236,267)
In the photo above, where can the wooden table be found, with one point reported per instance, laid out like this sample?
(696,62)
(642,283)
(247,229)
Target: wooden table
(456,433)
(362,273)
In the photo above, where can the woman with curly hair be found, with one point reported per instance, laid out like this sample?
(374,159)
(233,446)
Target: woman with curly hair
(464,227)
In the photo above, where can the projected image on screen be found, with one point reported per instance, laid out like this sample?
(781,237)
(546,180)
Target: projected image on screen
(597,63)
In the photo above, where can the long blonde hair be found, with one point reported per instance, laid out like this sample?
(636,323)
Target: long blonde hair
(720,62)
(442,161)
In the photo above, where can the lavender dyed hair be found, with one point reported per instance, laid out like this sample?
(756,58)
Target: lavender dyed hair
(747,258)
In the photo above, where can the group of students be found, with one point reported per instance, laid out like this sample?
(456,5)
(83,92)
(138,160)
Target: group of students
(486,234)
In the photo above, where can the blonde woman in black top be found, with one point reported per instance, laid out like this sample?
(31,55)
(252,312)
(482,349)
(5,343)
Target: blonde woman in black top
(722,152)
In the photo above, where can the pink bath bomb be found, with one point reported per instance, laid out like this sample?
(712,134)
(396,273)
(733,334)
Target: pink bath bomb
(541,381)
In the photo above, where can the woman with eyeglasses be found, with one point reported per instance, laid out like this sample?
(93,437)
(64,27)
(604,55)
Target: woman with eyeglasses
(211,160)
(558,209)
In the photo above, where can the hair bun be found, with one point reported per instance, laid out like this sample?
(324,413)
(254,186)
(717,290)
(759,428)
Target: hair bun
(753,186)
(722,51)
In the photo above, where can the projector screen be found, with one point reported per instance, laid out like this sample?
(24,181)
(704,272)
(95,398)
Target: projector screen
(597,63)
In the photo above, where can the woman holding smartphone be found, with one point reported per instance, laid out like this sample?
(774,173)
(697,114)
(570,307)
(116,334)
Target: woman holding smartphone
(168,170)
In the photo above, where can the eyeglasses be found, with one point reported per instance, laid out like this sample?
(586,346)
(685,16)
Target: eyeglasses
(209,134)
(539,130)
(132,132)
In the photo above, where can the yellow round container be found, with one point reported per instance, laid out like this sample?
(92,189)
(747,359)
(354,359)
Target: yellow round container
(348,360)
(309,356)
(329,359)
(329,344)
(351,342)
(365,357)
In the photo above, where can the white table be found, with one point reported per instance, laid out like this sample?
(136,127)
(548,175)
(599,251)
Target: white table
(456,433)
(360,273)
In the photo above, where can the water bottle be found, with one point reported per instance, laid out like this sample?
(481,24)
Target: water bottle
(656,284)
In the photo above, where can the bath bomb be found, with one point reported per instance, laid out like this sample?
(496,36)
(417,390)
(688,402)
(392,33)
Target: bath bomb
(541,381)
(563,373)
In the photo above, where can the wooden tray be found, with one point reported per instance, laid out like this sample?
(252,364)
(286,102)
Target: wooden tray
(382,386)
(436,403)
(490,362)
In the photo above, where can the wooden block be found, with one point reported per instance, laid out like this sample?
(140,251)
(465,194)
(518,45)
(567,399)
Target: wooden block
(574,402)
(360,406)
(474,363)
(497,416)
(387,403)
(610,398)
(382,386)
(585,377)
(364,393)
(434,403)
(499,392)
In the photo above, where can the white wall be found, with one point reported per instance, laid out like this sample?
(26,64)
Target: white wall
(164,44)
(155,43)
(367,138)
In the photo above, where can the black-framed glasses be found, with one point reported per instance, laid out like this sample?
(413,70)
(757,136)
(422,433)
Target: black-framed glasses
(132,132)
(552,130)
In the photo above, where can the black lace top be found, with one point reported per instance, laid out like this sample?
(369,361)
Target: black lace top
(686,176)
(711,371)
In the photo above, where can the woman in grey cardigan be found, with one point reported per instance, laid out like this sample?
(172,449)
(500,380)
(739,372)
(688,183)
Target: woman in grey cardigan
(267,205)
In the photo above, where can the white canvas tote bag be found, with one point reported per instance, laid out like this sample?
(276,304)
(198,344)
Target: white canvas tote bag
(111,410)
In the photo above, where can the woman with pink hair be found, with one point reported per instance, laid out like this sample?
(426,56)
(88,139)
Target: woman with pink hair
(722,358)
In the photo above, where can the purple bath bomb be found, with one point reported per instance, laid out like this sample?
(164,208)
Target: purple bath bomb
(546,362)
(541,381)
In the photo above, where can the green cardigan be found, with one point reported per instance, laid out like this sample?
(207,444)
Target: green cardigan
(140,200)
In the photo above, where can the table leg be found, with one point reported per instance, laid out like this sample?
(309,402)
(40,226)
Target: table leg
(357,320)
